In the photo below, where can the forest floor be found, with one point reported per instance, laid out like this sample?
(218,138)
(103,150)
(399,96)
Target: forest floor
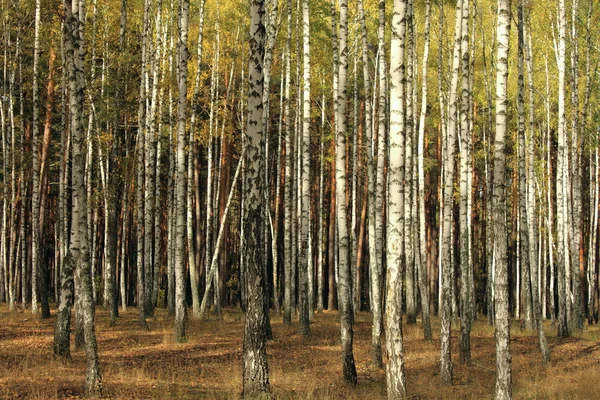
(140,364)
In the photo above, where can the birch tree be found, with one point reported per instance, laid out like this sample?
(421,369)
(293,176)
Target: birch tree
(35,190)
(465,264)
(287,241)
(525,246)
(255,366)
(531,215)
(182,74)
(344,280)
(375,247)
(395,375)
(448,203)
(141,284)
(561,195)
(422,264)
(79,241)
(502,315)
(305,218)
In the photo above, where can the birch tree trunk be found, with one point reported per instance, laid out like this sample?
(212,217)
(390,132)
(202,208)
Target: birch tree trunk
(150,259)
(523,199)
(62,328)
(562,253)
(575,173)
(35,190)
(395,376)
(502,315)
(379,161)
(182,74)
(305,217)
(190,238)
(550,221)
(531,215)
(465,264)
(271,36)
(287,240)
(448,204)
(140,173)
(409,256)
(375,255)
(593,241)
(422,264)
(79,241)
(320,227)
(344,280)
(255,366)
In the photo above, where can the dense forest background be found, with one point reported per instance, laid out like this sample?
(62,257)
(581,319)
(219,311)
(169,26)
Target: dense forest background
(371,176)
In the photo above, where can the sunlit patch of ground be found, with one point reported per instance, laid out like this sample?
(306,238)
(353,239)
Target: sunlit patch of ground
(139,364)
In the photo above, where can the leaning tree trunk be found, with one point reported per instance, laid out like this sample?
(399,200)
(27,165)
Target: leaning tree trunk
(255,366)
(502,315)
(396,379)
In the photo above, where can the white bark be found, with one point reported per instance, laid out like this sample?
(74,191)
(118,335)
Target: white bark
(182,74)
(395,375)
(561,193)
(448,204)
(255,366)
(305,170)
(344,279)
(36,261)
(422,265)
(465,262)
(502,315)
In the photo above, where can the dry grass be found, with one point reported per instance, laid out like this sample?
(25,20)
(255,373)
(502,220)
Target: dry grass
(146,364)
